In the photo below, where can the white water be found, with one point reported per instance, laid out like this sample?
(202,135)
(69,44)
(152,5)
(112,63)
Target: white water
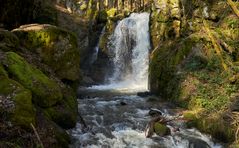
(113,125)
(129,46)
(96,49)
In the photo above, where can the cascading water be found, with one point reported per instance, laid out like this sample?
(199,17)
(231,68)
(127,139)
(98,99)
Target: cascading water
(129,47)
(116,119)
(96,49)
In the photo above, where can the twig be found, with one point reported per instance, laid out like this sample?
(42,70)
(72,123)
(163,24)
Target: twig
(38,137)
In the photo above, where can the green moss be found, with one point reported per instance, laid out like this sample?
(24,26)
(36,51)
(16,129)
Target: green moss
(217,127)
(56,47)
(189,70)
(83,7)
(46,92)
(8,41)
(3,73)
(18,103)
(112,12)
(161,129)
(8,38)
(62,137)
(64,113)
(163,66)
(43,35)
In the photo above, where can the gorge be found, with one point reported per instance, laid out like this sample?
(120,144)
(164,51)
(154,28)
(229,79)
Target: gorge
(88,73)
(114,114)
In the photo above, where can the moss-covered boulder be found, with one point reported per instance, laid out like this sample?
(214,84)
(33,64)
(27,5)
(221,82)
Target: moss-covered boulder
(3,73)
(8,40)
(16,103)
(65,112)
(46,92)
(161,129)
(51,134)
(56,47)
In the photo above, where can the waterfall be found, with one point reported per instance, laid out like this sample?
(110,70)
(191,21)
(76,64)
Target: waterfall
(129,50)
(96,49)
(129,46)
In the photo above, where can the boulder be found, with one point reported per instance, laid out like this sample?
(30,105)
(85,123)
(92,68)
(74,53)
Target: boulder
(155,112)
(8,40)
(3,73)
(161,129)
(46,92)
(16,103)
(56,47)
(64,113)
(144,94)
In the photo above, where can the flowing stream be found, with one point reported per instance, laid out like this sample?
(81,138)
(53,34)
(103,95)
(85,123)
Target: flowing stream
(115,116)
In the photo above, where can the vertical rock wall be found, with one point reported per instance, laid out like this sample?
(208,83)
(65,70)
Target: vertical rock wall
(194,61)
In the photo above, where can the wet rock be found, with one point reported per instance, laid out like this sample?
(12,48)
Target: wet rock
(152,99)
(87,81)
(155,112)
(123,103)
(144,94)
(195,142)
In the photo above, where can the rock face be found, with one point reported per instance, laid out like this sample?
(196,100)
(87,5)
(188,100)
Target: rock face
(31,95)
(56,47)
(165,20)
(193,60)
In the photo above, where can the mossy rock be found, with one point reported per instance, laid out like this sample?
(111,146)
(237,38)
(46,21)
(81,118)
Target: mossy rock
(16,103)
(62,115)
(56,47)
(161,129)
(3,73)
(62,137)
(65,113)
(46,92)
(164,62)
(8,40)
(50,133)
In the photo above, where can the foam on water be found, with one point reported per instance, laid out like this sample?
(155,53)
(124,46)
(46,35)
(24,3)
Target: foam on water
(113,125)
(129,46)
